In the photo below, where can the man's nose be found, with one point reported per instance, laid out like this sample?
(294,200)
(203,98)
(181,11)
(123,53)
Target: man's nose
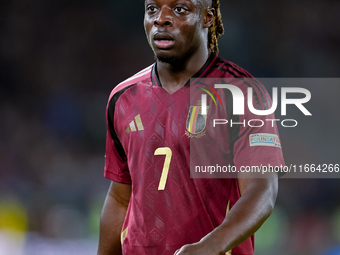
(164,17)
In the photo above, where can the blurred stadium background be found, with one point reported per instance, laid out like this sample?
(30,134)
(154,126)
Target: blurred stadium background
(59,61)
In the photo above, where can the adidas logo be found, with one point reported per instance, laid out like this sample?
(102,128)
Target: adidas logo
(133,127)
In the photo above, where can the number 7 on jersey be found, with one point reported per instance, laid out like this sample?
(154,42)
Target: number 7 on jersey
(168,153)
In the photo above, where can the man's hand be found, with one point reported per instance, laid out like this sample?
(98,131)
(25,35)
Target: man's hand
(196,249)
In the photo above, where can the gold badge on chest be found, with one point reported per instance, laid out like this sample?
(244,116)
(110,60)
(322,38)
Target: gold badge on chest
(196,122)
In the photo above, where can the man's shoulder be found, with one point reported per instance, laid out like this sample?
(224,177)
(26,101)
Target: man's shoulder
(232,70)
(239,77)
(142,75)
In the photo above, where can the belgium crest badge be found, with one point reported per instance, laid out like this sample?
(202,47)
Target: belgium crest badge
(196,122)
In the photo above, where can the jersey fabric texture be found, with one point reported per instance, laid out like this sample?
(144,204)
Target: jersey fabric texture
(149,134)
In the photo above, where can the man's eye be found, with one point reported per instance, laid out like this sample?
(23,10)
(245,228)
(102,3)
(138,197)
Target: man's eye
(151,8)
(180,9)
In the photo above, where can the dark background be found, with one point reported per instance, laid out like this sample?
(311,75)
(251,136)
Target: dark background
(59,60)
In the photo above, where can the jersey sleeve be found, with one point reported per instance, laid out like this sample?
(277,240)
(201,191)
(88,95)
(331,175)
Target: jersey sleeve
(116,167)
(255,139)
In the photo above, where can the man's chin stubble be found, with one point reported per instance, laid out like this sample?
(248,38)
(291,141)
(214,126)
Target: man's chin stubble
(172,60)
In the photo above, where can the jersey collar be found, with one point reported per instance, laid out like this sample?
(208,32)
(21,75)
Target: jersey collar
(202,73)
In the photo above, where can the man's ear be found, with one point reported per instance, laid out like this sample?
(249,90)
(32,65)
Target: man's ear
(209,17)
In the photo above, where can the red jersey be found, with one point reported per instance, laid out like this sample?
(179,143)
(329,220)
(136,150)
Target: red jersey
(148,145)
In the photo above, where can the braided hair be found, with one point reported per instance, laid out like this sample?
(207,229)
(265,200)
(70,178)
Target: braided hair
(216,30)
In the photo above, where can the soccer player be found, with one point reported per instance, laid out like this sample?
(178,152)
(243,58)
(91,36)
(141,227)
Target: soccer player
(153,206)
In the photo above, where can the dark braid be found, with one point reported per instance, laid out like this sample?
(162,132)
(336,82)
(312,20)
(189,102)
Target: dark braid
(216,30)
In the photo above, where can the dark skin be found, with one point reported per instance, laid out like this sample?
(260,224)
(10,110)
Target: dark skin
(112,218)
(177,33)
(186,24)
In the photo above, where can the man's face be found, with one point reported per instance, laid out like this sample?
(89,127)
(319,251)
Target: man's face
(174,28)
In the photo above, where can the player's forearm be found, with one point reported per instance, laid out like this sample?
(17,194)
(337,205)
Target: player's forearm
(111,222)
(245,218)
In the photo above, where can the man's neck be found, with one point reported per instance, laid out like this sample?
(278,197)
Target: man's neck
(173,77)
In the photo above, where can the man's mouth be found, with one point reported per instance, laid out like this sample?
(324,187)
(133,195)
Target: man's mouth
(163,40)
(164,43)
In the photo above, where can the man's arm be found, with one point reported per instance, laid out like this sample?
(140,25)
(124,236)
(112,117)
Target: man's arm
(258,196)
(112,218)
